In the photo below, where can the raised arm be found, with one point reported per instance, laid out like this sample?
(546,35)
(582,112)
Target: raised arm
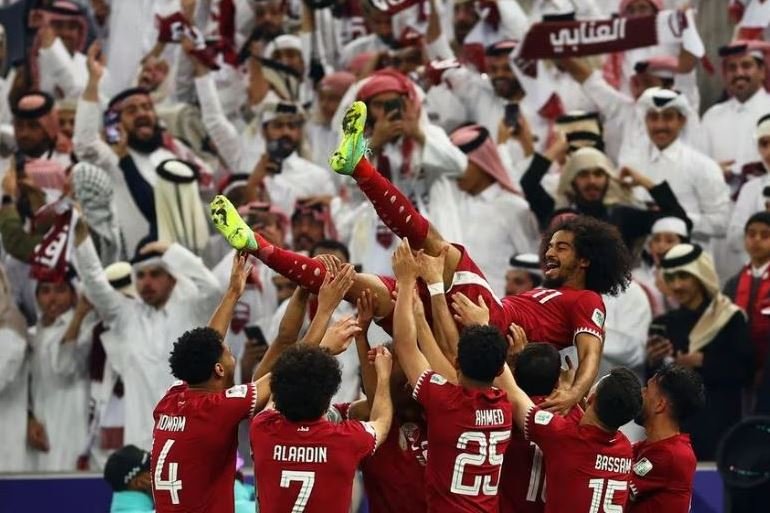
(87,140)
(412,361)
(288,332)
(220,320)
(437,360)
(381,415)
(446,335)
(366,306)
(589,349)
(330,295)
(520,401)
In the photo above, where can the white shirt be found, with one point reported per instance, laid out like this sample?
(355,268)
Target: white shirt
(729,129)
(695,179)
(60,393)
(14,390)
(750,201)
(145,335)
(492,226)
(628,318)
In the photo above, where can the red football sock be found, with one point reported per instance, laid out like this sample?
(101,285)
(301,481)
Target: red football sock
(395,209)
(302,270)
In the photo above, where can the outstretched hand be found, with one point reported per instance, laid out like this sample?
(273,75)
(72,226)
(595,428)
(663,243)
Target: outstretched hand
(404,263)
(333,289)
(469,313)
(366,305)
(240,273)
(95,61)
(340,334)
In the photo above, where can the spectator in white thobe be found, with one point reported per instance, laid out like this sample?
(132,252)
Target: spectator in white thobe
(482,209)
(696,180)
(14,382)
(177,292)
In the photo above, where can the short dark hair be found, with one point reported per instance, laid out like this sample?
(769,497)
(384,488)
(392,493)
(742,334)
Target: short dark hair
(684,390)
(618,398)
(609,271)
(759,217)
(303,381)
(537,369)
(194,355)
(329,244)
(481,352)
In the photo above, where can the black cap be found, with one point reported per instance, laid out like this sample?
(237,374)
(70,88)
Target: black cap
(124,465)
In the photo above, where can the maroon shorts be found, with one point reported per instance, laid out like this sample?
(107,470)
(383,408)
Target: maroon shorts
(467,279)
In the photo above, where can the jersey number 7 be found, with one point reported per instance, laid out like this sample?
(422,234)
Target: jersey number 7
(307,479)
(487,450)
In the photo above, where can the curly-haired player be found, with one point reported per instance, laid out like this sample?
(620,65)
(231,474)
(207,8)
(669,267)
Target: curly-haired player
(582,259)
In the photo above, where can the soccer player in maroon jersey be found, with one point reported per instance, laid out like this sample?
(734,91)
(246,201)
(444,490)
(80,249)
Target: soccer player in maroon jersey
(588,464)
(664,463)
(469,423)
(582,257)
(195,437)
(537,369)
(303,462)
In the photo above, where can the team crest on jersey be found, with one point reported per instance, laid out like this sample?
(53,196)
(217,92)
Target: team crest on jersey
(543,417)
(237,391)
(598,317)
(642,467)
(437,379)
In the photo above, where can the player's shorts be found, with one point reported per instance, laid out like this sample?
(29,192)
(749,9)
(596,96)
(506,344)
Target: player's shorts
(467,279)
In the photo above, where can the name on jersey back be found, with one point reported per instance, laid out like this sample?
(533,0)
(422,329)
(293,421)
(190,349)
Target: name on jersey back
(170,423)
(490,417)
(299,454)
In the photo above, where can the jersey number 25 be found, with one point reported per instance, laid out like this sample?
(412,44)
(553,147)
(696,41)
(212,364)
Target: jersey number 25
(487,451)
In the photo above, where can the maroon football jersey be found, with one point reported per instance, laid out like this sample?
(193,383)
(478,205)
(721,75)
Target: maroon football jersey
(522,479)
(195,440)
(555,316)
(468,433)
(307,466)
(662,474)
(587,469)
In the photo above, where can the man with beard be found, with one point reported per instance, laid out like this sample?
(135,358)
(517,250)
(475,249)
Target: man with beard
(694,178)
(175,291)
(664,464)
(730,125)
(591,185)
(138,146)
(380,39)
(583,258)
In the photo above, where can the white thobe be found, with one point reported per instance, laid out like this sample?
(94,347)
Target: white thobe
(59,394)
(357,229)
(365,44)
(695,179)
(729,129)
(750,201)
(628,318)
(624,125)
(322,139)
(144,335)
(14,390)
(62,74)
(493,226)
(89,147)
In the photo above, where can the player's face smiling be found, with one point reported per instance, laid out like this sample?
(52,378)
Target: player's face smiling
(561,260)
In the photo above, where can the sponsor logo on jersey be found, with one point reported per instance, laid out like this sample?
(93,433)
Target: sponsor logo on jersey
(437,379)
(598,317)
(237,391)
(543,417)
(642,467)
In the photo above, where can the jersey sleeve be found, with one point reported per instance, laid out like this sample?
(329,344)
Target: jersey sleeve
(544,428)
(237,403)
(648,473)
(429,388)
(362,438)
(587,315)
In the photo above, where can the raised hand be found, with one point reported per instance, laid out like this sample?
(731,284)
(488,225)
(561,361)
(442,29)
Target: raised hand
(332,263)
(404,263)
(517,338)
(240,273)
(333,290)
(340,334)
(95,62)
(383,361)
(431,269)
(469,313)
(366,305)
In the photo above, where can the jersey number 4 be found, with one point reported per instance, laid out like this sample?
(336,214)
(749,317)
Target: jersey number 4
(597,485)
(172,484)
(487,451)
(307,480)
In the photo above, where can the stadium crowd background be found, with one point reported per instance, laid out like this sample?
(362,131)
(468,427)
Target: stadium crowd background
(132,114)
